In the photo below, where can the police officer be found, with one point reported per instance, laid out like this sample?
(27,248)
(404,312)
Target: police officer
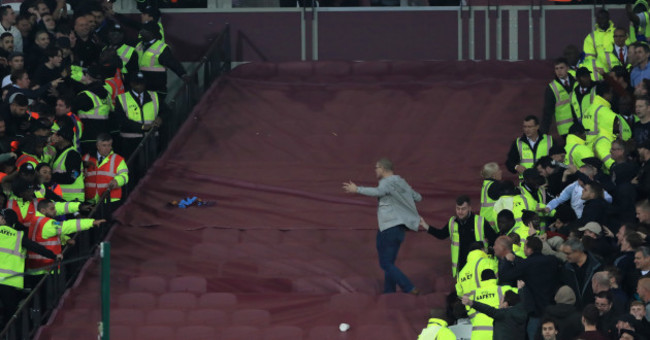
(155,57)
(137,111)
(528,148)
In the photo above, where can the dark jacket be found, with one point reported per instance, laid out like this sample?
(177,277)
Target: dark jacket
(540,273)
(513,155)
(568,318)
(548,114)
(583,291)
(509,323)
(595,210)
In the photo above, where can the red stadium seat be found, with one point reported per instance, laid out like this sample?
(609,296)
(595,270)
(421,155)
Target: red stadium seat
(137,300)
(127,316)
(154,333)
(240,333)
(177,300)
(350,302)
(192,284)
(283,333)
(217,300)
(251,317)
(166,317)
(149,283)
(196,333)
(121,332)
(207,317)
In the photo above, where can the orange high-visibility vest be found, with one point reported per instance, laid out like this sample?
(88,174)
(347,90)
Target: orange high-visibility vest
(25,213)
(26,158)
(97,179)
(35,261)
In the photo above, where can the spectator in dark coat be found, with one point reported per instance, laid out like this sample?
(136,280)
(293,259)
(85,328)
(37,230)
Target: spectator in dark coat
(578,270)
(603,247)
(566,315)
(624,195)
(540,273)
(642,179)
(596,207)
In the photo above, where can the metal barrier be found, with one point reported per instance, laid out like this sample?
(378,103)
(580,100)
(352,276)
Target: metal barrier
(37,307)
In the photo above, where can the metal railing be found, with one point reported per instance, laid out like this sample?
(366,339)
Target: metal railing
(37,307)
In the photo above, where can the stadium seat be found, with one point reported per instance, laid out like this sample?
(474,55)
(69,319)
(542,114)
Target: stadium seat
(214,252)
(378,316)
(154,333)
(240,333)
(160,266)
(350,302)
(283,333)
(177,300)
(379,331)
(397,300)
(192,284)
(137,300)
(127,316)
(207,317)
(361,284)
(166,317)
(239,268)
(121,332)
(220,235)
(329,332)
(196,333)
(217,300)
(251,317)
(149,283)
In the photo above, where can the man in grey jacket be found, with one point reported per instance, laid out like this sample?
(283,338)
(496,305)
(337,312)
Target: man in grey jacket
(396,213)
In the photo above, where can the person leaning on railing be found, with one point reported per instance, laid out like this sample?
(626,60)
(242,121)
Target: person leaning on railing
(13,244)
(51,234)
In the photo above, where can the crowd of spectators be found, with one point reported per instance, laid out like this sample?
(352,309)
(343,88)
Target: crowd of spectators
(572,239)
(77,97)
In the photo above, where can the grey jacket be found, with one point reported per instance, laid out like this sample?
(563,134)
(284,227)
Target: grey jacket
(396,203)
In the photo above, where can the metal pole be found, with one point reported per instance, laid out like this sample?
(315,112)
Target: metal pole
(105,254)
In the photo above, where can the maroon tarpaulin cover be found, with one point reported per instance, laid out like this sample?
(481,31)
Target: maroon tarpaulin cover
(285,253)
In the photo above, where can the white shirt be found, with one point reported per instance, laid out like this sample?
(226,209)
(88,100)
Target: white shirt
(18,37)
(618,52)
(574,192)
(532,142)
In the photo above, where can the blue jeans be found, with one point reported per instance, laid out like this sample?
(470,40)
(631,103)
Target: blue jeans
(388,243)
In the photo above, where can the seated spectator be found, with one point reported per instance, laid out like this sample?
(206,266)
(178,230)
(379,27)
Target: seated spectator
(637,310)
(549,330)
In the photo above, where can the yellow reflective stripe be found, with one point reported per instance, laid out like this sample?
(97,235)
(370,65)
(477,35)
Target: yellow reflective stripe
(122,171)
(556,92)
(38,222)
(571,153)
(93,116)
(34,256)
(482,328)
(153,69)
(71,191)
(565,121)
(78,225)
(476,274)
(131,134)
